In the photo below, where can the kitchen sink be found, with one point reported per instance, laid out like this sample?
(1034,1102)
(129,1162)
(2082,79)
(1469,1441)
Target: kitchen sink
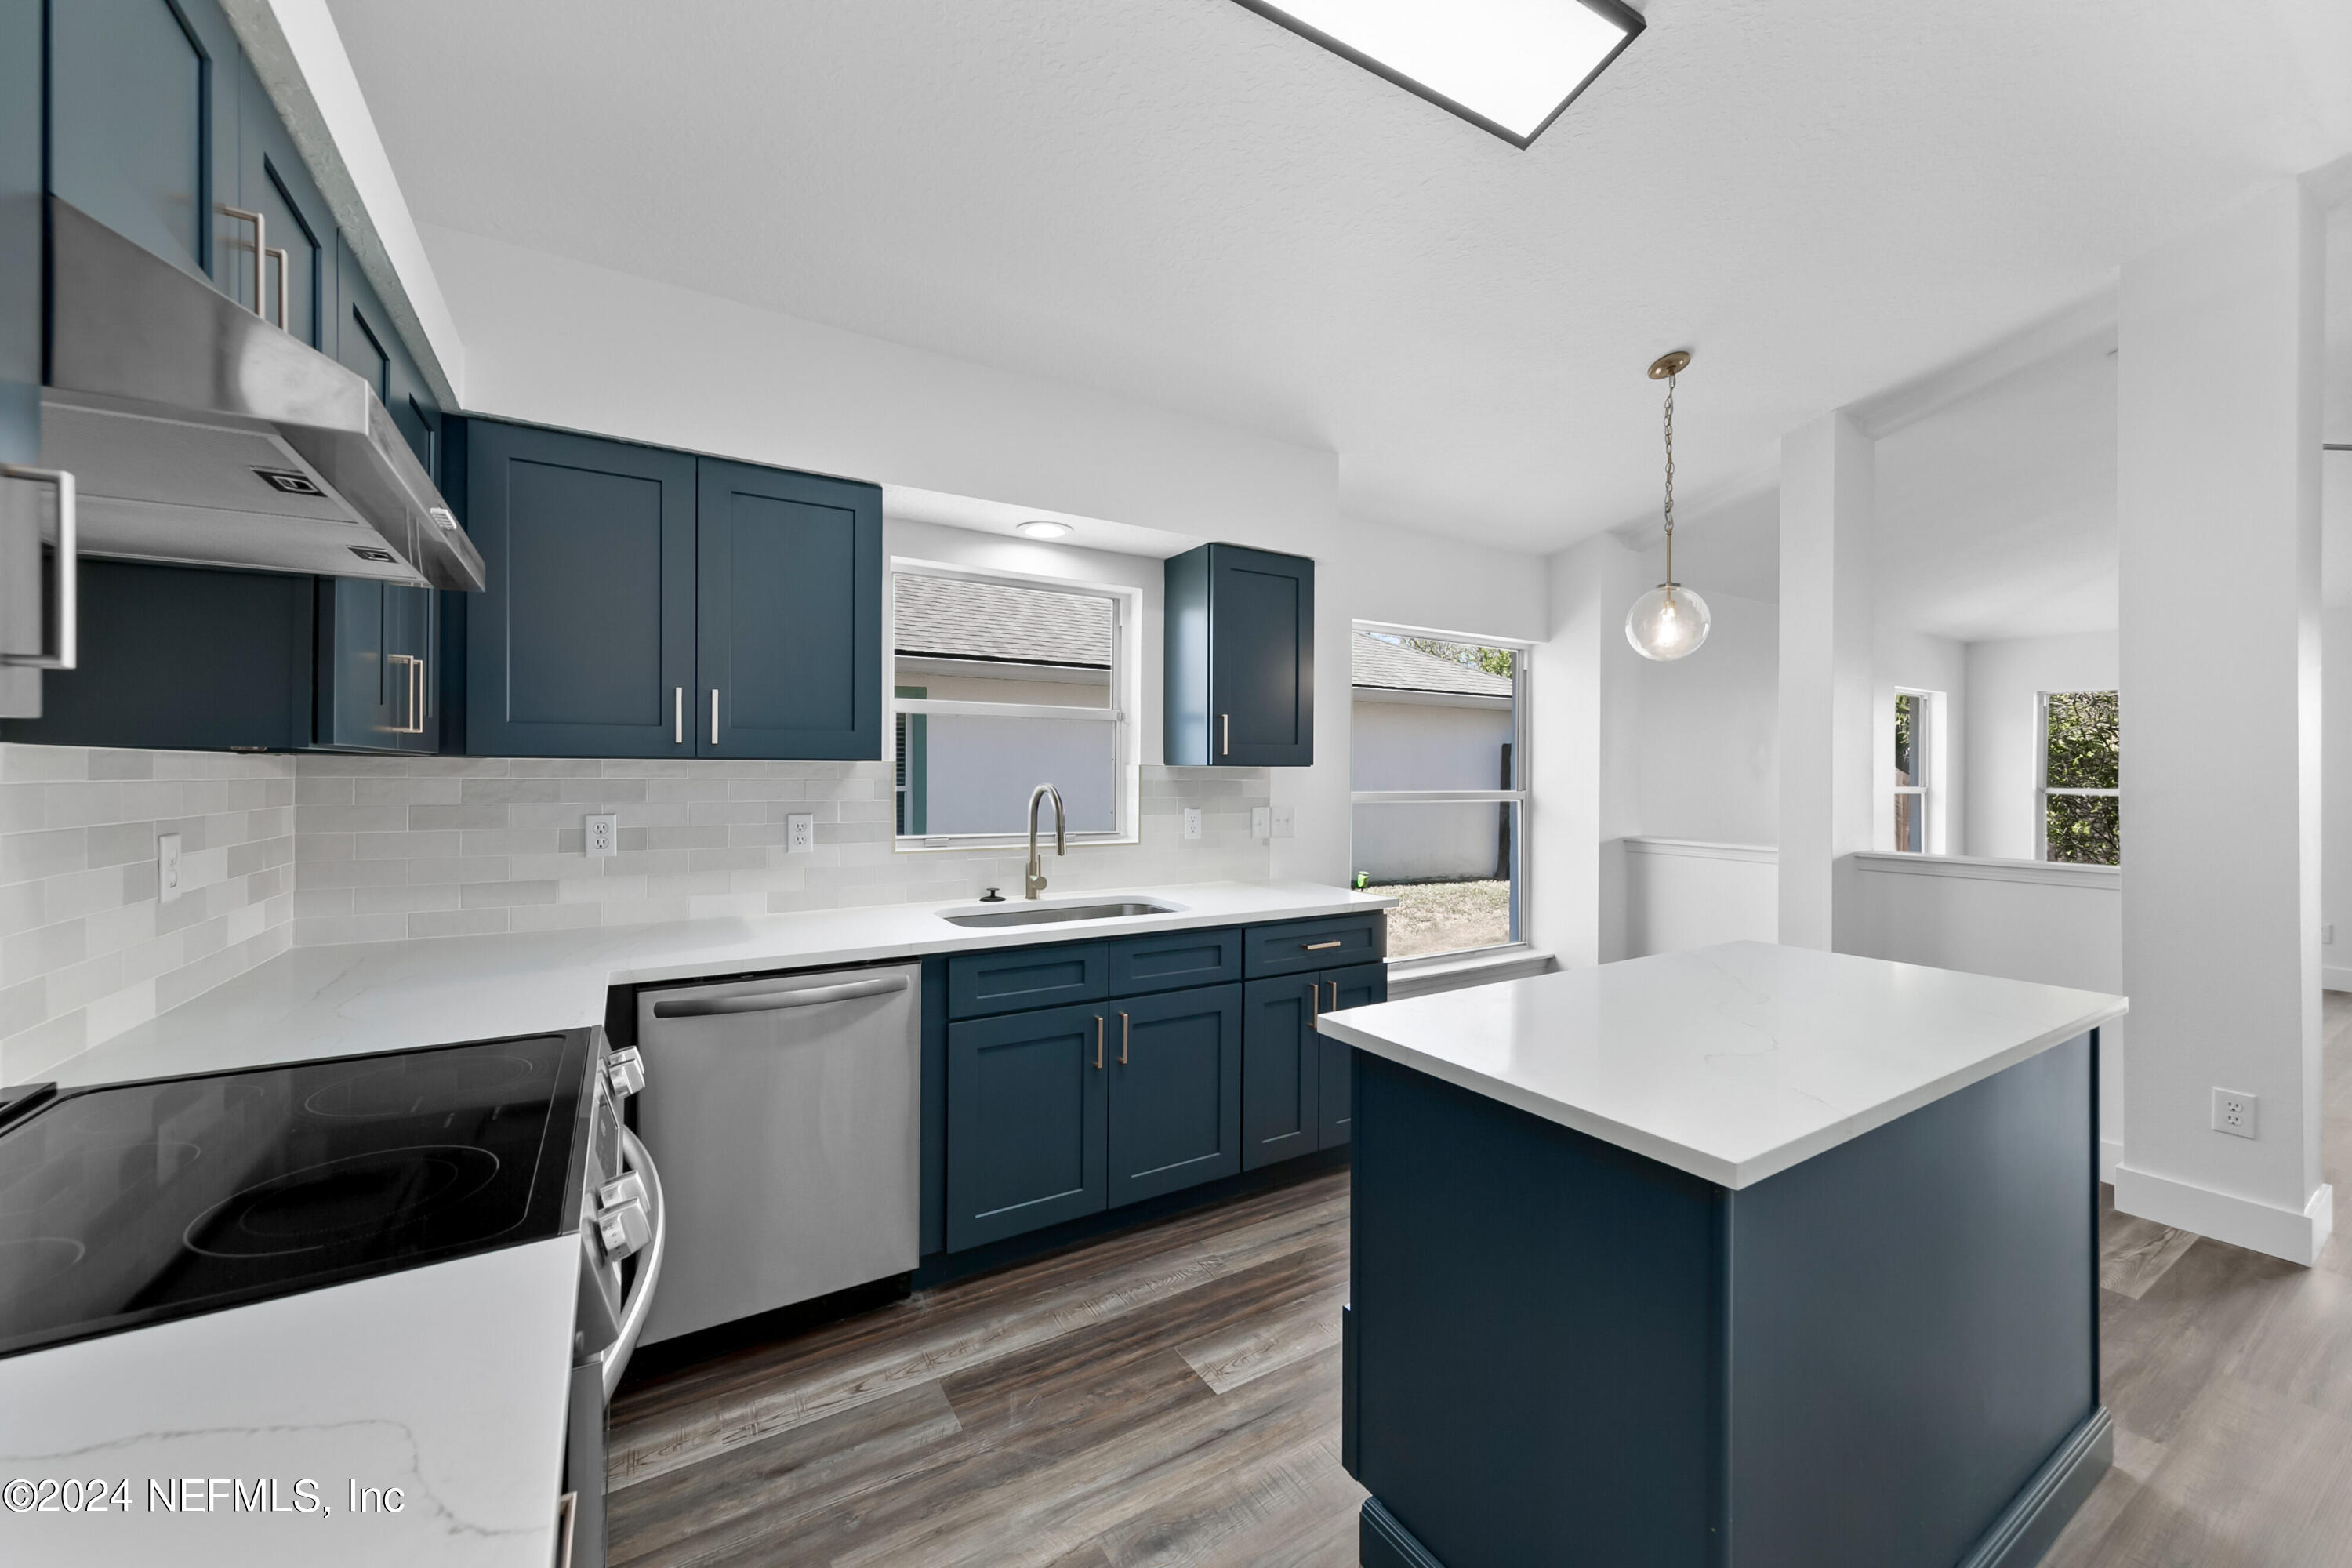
(1054,914)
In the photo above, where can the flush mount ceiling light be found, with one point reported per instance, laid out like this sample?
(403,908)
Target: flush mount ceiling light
(1506,66)
(1668,621)
(1042,527)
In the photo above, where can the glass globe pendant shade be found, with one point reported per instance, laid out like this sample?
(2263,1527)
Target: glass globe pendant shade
(1666,622)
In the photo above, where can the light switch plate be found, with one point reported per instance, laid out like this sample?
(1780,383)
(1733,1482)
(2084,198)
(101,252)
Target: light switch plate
(800,833)
(604,834)
(167,868)
(1285,822)
(1262,821)
(2237,1114)
(1192,822)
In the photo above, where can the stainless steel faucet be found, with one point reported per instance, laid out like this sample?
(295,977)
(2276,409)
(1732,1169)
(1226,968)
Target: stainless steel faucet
(1033,883)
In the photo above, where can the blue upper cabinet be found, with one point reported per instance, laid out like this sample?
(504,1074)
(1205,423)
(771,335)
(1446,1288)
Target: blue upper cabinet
(644,603)
(143,103)
(21,260)
(788,615)
(1239,658)
(582,646)
(299,265)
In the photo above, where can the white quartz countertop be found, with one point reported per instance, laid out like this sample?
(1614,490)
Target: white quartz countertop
(447,1383)
(316,1002)
(1732,1062)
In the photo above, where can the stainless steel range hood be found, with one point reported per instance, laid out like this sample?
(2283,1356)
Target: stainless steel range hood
(200,433)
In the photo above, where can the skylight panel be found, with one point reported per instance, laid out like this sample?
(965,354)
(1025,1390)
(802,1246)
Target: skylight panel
(1509,66)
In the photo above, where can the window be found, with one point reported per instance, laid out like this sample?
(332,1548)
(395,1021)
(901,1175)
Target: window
(998,685)
(2079,794)
(1915,713)
(1438,764)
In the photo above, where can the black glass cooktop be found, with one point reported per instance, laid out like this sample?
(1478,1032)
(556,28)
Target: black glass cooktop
(133,1202)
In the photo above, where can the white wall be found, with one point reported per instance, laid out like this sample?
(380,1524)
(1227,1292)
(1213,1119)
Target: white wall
(2335,772)
(563,343)
(2056,925)
(1666,895)
(1702,732)
(2000,731)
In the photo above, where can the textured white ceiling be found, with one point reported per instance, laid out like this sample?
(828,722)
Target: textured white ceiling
(1183,203)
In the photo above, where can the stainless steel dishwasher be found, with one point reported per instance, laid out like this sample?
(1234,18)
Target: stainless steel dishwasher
(788,1113)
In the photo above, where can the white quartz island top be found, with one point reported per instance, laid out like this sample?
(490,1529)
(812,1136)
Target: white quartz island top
(352,999)
(1733,1062)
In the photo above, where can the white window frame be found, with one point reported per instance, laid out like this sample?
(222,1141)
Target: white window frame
(1928,744)
(1520,661)
(1127,617)
(2042,788)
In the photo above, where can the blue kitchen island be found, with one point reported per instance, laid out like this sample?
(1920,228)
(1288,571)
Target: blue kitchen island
(1749,1256)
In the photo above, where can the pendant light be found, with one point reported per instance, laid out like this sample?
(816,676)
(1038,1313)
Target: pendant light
(1668,621)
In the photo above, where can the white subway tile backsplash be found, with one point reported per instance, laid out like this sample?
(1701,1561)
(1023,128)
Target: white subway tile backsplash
(324,849)
(86,951)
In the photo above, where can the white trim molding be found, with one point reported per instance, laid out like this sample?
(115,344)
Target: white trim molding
(2060,873)
(2296,1237)
(1699,849)
(2335,977)
(1458,971)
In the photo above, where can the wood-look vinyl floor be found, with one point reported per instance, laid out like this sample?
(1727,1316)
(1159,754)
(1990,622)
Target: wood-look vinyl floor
(1171,1395)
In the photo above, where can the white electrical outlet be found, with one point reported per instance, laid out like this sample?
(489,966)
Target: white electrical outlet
(1192,822)
(604,834)
(1262,821)
(800,833)
(2236,1114)
(1285,822)
(167,867)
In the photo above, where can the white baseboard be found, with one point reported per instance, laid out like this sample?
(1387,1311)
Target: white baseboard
(2294,1234)
(2335,977)
(2111,1155)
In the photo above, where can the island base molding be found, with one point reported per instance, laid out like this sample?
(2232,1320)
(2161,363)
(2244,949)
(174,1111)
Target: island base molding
(2293,1235)
(2025,1530)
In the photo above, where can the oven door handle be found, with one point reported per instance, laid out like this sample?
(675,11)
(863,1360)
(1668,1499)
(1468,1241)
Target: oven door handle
(649,1264)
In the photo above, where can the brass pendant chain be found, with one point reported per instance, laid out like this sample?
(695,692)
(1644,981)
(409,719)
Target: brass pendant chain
(1669,486)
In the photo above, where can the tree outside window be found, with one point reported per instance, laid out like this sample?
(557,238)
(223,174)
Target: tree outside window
(2082,798)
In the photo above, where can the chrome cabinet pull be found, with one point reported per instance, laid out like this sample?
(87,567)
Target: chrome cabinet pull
(1318,946)
(714,715)
(678,717)
(281,287)
(416,693)
(68,618)
(260,250)
(1098,1042)
(1124,1030)
(567,1509)
(1335,995)
(1224,734)
(1315,997)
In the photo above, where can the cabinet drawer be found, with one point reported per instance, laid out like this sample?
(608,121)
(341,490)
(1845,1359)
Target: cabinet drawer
(980,983)
(1329,944)
(1172,959)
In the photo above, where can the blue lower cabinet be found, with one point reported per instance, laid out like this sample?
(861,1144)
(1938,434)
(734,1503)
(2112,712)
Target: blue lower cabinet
(1175,1102)
(1026,1095)
(1021,978)
(1281,1061)
(1360,985)
(1298,1086)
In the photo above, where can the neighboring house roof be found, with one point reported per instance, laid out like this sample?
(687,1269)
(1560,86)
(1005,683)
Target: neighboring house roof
(1394,666)
(947,617)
